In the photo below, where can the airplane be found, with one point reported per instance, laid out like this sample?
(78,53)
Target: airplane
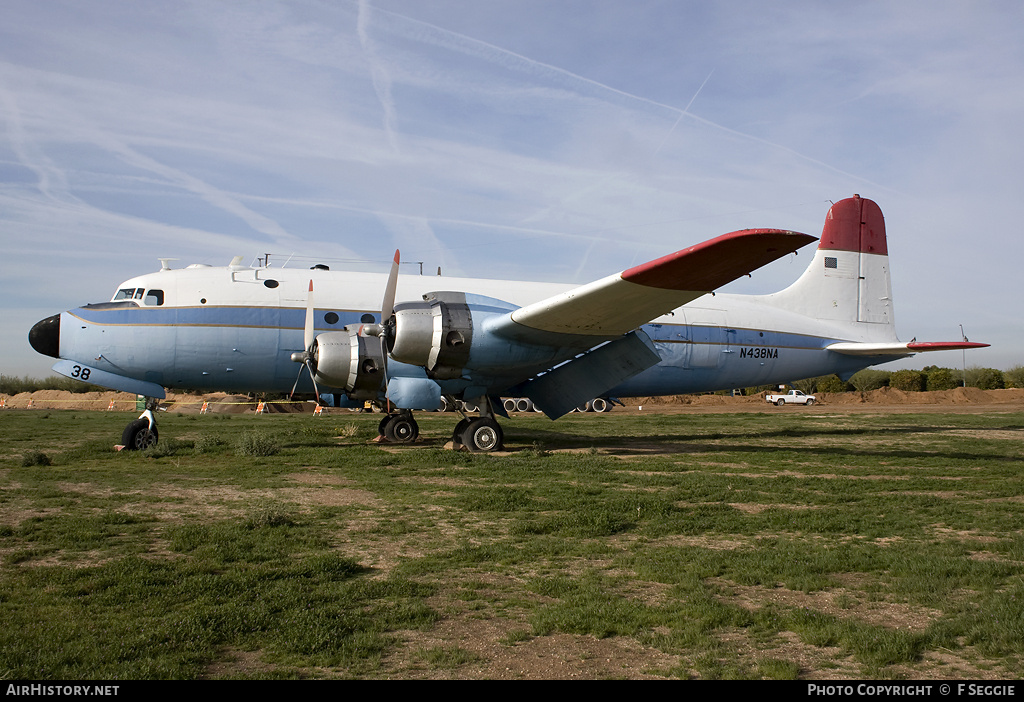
(654,329)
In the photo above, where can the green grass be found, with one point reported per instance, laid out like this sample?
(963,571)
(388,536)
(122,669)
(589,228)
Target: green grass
(749,545)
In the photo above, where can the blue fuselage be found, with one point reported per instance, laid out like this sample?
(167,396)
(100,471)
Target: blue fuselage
(247,349)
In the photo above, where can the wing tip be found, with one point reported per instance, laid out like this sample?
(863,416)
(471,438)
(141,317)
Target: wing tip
(945,345)
(715,262)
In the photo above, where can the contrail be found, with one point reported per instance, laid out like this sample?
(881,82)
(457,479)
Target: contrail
(438,36)
(381,78)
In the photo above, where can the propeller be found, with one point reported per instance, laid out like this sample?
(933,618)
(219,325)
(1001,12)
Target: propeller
(387,309)
(387,305)
(308,337)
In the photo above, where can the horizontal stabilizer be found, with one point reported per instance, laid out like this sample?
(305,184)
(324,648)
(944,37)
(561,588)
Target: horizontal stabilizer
(854,348)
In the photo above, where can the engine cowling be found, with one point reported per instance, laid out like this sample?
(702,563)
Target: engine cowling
(349,360)
(436,334)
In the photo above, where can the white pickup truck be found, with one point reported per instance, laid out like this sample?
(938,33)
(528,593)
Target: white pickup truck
(793,397)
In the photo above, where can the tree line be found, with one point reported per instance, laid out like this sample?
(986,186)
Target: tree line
(929,378)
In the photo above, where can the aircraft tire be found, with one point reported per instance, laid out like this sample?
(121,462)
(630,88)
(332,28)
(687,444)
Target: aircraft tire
(459,429)
(382,427)
(138,435)
(599,404)
(401,429)
(482,435)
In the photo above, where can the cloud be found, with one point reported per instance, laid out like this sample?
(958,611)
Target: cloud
(513,139)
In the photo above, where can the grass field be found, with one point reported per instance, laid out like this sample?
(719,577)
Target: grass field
(753,545)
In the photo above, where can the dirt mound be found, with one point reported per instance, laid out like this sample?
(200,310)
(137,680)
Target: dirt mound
(881,396)
(61,399)
(218,403)
(223,403)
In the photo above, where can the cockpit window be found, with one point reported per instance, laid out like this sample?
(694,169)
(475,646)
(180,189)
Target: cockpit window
(148,297)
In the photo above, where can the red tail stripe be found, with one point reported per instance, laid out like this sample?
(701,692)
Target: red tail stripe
(855,224)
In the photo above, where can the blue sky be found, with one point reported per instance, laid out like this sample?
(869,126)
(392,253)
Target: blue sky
(556,140)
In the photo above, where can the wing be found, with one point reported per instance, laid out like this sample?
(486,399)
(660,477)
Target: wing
(619,303)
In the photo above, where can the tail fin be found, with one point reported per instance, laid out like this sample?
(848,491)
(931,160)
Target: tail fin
(847,282)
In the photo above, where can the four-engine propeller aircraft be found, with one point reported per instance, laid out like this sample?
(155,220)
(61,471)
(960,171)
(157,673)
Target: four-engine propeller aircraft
(649,330)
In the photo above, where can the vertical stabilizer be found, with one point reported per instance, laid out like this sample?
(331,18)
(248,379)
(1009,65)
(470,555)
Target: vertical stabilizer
(848,279)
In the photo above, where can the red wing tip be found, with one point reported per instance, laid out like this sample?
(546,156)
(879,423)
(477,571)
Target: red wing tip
(311,286)
(397,256)
(944,345)
(712,263)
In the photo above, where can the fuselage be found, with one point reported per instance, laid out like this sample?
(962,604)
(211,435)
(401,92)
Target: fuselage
(234,329)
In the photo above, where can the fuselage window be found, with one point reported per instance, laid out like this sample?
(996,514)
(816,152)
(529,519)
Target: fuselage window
(125,294)
(154,298)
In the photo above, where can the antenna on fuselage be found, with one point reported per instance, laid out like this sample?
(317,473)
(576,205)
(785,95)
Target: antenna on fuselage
(165,263)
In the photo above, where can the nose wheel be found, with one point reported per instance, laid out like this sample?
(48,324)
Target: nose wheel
(141,434)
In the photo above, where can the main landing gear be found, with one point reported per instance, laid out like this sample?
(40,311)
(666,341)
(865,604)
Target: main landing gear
(400,428)
(477,434)
(141,434)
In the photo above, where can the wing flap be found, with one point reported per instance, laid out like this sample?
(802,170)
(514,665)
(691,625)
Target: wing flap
(619,303)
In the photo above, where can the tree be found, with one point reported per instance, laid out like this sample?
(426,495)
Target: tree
(985,378)
(907,380)
(869,379)
(832,383)
(806,385)
(941,378)
(1014,377)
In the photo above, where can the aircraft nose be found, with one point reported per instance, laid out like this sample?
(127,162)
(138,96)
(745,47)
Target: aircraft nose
(45,336)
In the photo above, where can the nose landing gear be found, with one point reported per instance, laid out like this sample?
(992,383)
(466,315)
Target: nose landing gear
(142,433)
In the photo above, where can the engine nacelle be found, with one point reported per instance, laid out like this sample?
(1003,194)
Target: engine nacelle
(436,334)
(350,361)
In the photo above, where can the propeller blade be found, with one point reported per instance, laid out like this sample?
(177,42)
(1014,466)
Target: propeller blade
(387,307)
(299,375)
(309,334)
(305,357)
(312,377)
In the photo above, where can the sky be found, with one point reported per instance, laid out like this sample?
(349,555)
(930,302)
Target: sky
(549,140)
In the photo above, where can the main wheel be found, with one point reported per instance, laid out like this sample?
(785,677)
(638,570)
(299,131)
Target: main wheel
(459,429)
(138,435)
(482,435)
(402,429)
